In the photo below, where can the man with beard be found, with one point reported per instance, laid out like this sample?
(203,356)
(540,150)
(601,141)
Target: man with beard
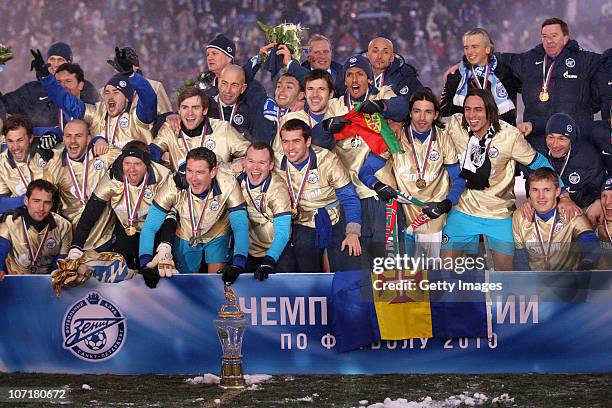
(117,118)
(33,237)
(127,190)
(76,172)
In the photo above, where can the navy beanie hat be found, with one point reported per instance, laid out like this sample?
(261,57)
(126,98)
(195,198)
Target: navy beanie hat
(563,124)
(359,61)
(121,82)
(223,44)
(60,49)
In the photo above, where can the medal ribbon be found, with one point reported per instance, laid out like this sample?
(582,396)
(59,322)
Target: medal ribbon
(133,213)
(295,198)
(566,161)
(261,202)
(379,81)
(486,76)
(107,129)
(421,170)
(34,257)
(202,137)
(196,227)
(81,193)
(546,74)
(607,231)
(222,114)
(21,175)
(349,101)
(545,252)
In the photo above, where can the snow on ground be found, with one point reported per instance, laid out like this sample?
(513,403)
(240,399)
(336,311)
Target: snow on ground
(251,380)
(464,399)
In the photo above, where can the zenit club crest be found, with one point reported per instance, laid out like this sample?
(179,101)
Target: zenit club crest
(93,328)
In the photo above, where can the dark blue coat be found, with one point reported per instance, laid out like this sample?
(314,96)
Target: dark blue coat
(584,173)
(572,87)
(604,83)
(32,100)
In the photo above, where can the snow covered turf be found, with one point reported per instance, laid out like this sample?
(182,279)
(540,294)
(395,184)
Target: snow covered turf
(376,391)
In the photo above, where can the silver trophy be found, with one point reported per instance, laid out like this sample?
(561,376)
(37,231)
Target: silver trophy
(231,325)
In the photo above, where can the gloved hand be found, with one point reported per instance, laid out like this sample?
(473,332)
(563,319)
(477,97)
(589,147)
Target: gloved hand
(39,64)
(45,154)
(163,261)
(180,179)
(48,140)
(372,107)
(151,277)
(385,192)
(206,80)
(74,253)
(124,65)
(267,266)
(230,273)
(335,124)
(435,209)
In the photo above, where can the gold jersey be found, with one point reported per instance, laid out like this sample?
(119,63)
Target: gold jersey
(507,148)
(264,202)
(561,252)
(208,217)
(15,177)
(324,174)
(52,241)
(304,116)
(118,130)
(604,232)
(112,191)
(220,137)
(68,175)
(354,151)
(435,152)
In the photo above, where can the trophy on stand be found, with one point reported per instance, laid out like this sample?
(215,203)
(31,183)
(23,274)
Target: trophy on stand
(231,325)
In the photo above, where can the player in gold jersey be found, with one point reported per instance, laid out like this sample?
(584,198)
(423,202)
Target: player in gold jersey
(127,191)
(21,163)
(33,238)
(550,242)
(116,117)
(197,130)
(268,208)
(76,172)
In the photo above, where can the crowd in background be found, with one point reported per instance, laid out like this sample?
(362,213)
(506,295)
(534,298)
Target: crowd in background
(170,36)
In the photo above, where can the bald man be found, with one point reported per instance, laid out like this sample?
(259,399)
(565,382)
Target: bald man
(230,104)
(390,69)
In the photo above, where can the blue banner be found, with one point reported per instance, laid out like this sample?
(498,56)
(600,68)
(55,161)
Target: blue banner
(542,322)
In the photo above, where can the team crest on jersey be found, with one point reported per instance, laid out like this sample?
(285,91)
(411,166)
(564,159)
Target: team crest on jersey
(41,162)
(501,91)
(214,205)
(313,177)
(51,243)
(210,144)
(124,122)
(148,193)
(356,141)
(93,328)
(559,227)
(574,178)
(570,63)
(257,202)
(404,90)
(239,119)
(493,152)
(98,164)
(434,155)
(444,239)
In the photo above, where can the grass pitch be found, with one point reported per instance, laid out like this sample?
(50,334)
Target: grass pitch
(528,390)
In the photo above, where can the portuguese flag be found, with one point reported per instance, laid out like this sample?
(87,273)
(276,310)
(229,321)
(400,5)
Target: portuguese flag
(373,129)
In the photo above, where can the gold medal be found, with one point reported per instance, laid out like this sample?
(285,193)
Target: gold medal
(130,231)
(421,183)
(544,96)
